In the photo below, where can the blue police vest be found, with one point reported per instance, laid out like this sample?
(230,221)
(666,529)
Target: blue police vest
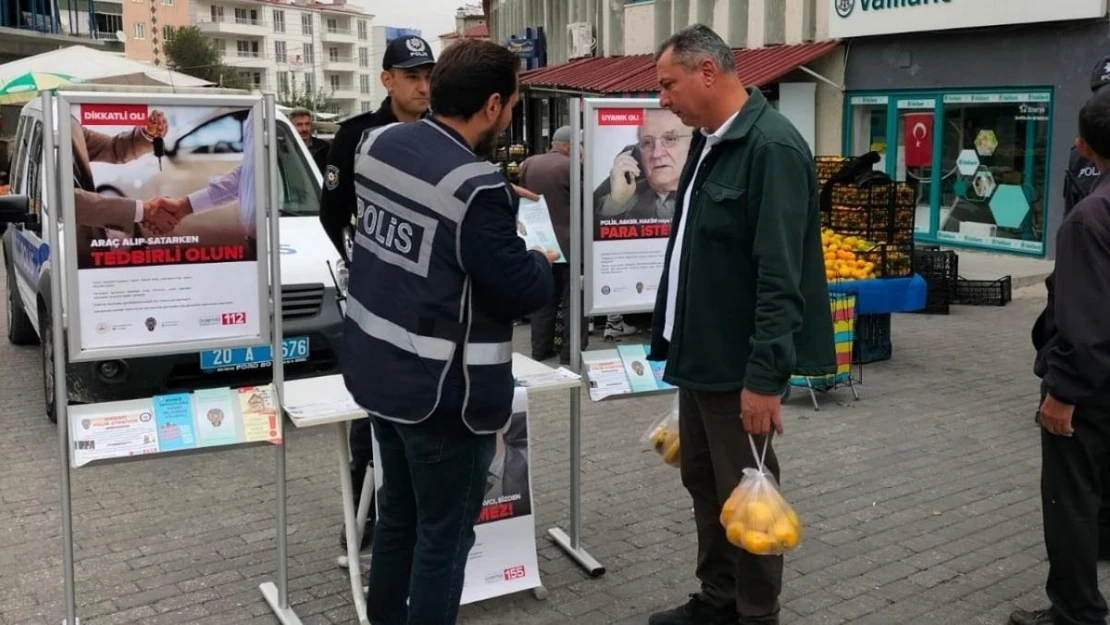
(411,314)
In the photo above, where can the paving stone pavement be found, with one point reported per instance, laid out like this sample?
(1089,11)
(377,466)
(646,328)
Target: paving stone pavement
(920,502)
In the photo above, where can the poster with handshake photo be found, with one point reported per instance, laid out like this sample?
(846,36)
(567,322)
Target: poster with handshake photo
(164,205)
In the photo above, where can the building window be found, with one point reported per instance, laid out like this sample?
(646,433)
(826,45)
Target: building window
(978,161)
(364,84)
(280,55)
(363,57)
(253,78)
(283,82)
(108,25)
(309,54)
(279,21)
(365,106)
(244,16)
(306,23)
(217,13)
(309,82)
(246,48)
(168,3)
(333,55)
(140,30)
(362,30)
(333,26)
(168,33)
(335,82)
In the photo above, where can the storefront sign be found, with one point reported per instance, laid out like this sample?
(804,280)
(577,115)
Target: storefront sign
(996,98)
(917,104)
(166,262)
(1033,247)
(863,18)
(863,100)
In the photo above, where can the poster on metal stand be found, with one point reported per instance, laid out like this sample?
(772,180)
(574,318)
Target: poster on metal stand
(503,559)
(163,256)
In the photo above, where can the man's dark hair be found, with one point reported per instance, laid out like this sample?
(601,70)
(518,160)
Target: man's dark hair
(468,73)
(1094,123)
(300,112)
(693,44)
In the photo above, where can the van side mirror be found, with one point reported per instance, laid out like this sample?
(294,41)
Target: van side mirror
(13,209)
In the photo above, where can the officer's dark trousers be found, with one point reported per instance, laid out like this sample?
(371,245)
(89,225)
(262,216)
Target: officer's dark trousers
(551,324)
(434,479)
(1073,484)
(715,452)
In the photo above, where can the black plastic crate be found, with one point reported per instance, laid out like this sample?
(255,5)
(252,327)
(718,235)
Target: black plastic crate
(872,341)
(879,213)
(890,261)
(983,292)
(940,271)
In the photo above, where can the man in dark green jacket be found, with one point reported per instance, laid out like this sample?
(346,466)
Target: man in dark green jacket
(743,304)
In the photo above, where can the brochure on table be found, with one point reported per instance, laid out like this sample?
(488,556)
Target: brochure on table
(623,371)
(176,422)
(533,223)
(503,559)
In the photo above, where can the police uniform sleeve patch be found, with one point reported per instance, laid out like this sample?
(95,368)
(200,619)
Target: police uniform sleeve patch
(331,177)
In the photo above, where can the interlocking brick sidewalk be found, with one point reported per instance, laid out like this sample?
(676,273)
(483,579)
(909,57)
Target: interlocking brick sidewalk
(920,501)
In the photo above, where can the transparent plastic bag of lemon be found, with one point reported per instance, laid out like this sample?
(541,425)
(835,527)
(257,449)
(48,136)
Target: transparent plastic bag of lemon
(756,517)
(662,436)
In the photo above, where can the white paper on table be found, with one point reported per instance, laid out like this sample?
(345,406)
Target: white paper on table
(606,375)
(562,374)
(533,224)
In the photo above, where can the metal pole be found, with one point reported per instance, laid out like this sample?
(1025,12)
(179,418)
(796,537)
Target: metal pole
(51,122)
(276,355)
(572,544)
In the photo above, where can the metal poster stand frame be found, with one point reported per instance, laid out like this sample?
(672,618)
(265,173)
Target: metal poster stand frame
(55,111)
(571,542)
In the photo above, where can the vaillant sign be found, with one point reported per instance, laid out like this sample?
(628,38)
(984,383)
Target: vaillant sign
(862,18)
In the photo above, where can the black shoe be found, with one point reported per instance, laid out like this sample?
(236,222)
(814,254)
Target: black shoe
(695,612)
(1031,617)
(367,537)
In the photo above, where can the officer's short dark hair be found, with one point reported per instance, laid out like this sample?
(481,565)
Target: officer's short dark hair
(1094,123)
(468,73)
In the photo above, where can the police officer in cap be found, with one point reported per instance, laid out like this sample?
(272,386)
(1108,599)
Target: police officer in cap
(406,68)
(1082,174)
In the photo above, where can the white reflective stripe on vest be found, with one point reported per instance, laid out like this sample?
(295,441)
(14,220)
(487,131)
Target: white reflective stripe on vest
(489,353)
(428,347)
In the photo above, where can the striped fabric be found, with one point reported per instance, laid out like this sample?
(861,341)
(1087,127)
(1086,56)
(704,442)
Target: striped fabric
(843,309)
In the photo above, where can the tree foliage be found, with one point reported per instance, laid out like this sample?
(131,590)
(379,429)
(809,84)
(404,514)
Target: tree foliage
(318,101)
(188,51)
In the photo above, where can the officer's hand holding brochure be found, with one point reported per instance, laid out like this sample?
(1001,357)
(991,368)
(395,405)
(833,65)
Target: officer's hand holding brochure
(534,226)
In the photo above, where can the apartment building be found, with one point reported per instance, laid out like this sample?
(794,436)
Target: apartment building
(289,46)
(470,23)
(604,48)
(28,27)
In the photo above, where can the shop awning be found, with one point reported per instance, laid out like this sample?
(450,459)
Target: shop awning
(635,74)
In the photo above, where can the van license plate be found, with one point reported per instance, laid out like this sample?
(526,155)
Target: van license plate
(245,358)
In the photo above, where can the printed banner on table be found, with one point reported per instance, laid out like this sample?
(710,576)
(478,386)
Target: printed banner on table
(623,371)
(503,559)
(635,157)
(167,423)
(163,203)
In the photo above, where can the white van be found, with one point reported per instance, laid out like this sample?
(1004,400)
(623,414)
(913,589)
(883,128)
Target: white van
(310,308)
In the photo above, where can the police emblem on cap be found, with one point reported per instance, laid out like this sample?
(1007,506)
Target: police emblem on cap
(415,45)
(331,177)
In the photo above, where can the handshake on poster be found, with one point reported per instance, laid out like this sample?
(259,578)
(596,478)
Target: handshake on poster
(162,214)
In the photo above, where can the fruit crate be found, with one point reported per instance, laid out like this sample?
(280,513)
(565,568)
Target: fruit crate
(983,292)
(879,213)
(872,339)
(829,166)
(890,260)
(940,269)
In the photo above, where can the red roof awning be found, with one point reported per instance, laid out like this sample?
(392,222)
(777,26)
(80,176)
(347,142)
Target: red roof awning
(636,73)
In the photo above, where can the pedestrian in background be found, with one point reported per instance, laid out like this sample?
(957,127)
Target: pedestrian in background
(548,175)
(437,276)
(1073,362)
(1082,175)
(742,305)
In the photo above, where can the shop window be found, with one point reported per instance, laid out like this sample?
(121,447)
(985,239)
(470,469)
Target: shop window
(994,165)
(869,115)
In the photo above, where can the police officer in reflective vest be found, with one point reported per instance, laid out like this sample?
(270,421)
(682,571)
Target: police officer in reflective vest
(1082,174)
(437,276)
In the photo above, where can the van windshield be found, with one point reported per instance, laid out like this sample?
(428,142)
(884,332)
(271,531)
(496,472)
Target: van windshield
(300,192)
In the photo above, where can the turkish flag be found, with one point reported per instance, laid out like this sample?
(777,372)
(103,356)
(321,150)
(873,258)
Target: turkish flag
(918,133)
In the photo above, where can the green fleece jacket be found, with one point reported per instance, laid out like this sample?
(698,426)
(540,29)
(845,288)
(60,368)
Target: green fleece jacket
(752,307)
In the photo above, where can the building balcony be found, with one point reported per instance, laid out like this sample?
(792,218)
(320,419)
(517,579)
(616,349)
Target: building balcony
(345,92)
(342,65)
(337,35)
(230,25)
(252,60)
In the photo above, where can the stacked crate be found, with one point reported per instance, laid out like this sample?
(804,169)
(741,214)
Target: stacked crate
(881,214)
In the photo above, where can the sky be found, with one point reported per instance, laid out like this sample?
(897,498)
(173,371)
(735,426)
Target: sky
(432,17)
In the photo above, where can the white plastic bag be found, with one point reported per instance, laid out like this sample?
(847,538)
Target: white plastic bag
(756,517)
(663,436)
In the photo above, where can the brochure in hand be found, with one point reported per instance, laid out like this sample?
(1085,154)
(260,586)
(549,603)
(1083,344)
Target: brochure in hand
(534,226)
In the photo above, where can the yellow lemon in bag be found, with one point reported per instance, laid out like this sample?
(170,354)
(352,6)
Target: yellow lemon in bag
(735,533)
(760,516)
(757,543)
(786,534)
(729,510)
